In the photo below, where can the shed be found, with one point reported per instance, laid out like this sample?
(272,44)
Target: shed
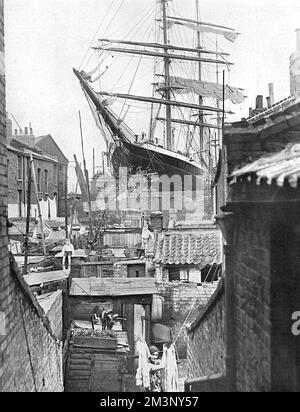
(130,298)
(43,283)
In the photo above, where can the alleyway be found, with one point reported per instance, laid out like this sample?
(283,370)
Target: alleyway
(182,374)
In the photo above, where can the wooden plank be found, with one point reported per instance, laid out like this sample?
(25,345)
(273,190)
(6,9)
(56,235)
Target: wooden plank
(79,368)
(106,366)
(79,373)
(80,355)
(80,363)
(95,342)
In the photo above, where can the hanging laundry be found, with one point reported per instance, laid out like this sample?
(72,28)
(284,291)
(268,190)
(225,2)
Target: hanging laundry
(170,382)
(142,374)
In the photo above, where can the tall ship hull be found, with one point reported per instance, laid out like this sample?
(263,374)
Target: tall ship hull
(187,113)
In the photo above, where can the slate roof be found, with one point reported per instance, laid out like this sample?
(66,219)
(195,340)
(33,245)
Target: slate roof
(112,287)
(201,248)
(40,140)
(279,168)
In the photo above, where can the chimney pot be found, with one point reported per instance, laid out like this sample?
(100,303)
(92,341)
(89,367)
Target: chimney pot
(269,102)
(26,130)
(259,102)
(271,93)
(16,132)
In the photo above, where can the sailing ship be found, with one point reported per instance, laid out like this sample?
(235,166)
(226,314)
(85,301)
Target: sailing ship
(187,113)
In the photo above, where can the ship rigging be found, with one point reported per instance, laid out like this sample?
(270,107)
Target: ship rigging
(186,137)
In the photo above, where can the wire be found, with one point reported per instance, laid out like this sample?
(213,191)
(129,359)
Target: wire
(134,76)
(190,311)
(95,35)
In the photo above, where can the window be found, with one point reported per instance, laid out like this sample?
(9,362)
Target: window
(20,202)
(185,275)
(39,172)
(55,174)
(172,196)
(211,273)
(46,181)
(19,171)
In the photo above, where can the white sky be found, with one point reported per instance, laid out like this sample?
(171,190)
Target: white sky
(46,38)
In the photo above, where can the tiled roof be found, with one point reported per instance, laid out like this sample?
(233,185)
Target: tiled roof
(201,248)
(112,286)
(279,167)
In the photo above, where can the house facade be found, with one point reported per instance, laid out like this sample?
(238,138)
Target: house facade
(50,169)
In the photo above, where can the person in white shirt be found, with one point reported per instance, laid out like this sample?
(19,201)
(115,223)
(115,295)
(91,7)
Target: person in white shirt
(67,251)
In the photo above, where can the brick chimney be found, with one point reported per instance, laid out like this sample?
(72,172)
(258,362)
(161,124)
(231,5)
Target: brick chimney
(9,128)
(259,106)
(271,94)
(295,68)
(259,102)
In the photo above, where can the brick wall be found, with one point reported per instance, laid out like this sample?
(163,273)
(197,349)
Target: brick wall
(52,303)
(15,185)
(31,356)
(182,302)
(252,283)
(206,338)
(4,261)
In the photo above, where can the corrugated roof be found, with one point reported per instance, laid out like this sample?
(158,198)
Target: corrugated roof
(112,286)
(201,248)
(279,167)
(35,279)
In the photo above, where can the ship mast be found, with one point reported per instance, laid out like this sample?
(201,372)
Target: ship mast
(200,78)
(167,78)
